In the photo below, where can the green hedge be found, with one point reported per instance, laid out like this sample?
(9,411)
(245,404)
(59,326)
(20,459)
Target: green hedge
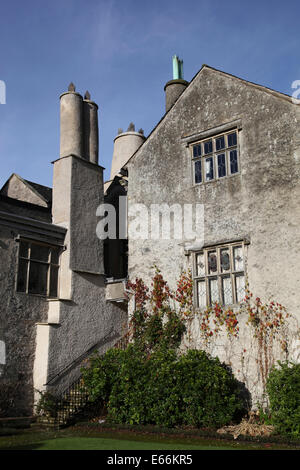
(283,388)
(164,388)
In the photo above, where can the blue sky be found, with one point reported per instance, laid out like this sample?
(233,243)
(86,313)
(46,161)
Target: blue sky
(121,51)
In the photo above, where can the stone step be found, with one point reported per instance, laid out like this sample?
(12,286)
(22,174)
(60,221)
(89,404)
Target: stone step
(71,403)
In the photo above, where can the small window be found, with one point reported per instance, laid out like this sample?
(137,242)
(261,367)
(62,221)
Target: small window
(198,172)
(221,165)
(208,147)
(231,139)
(215,158)
(233,162)
(197,151)
(209,169)
(219,275)
(38,269)
(220,143)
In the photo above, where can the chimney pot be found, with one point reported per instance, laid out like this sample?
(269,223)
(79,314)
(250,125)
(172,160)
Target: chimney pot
(71,87)
(131,127)
(175,87)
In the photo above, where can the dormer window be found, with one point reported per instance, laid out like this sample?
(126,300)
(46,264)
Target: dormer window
(216,157)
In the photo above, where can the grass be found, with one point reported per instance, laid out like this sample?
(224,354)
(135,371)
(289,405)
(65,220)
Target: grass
(80,438)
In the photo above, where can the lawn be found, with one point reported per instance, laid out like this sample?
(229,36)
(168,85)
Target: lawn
(87,439)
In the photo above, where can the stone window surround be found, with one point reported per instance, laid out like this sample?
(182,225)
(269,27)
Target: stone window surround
(38,241)
(192,139)
(232,273)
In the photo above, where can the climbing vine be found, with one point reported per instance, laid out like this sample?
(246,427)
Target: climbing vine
(156,322)
(268,323)
(162,316)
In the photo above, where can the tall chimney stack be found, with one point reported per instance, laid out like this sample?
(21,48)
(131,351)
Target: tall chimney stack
(78,188)
(71,123)
(174,88)
(78,126)
(91,132)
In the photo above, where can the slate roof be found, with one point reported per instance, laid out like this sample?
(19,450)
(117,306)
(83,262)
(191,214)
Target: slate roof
(43,191)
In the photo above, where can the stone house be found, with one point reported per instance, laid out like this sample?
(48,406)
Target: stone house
(232,147)
(54,309)
(224,144)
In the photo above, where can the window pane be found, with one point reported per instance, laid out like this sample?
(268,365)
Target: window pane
(201,291)
(22,275)
(238,260)
(38,278)
(209,169)
(208,147)
(233,161)
(227,290)
(221,165)
(39,252)
(240,287)
(213,291)
(197,151)
(200,265)
(198,172)
(53,281)
(55,255)
(220,143)
(23,249)
(232,140)
(212,262)
(225,260)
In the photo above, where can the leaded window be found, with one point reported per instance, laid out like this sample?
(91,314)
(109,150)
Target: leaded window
(219,275)
(38,268)
(216,157)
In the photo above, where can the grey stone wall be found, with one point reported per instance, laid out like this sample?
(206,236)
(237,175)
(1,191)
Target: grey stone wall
(19,314)
(261,203)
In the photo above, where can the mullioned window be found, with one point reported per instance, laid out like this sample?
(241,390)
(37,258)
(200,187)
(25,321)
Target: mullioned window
(215,157)
(38,268)
(219,275)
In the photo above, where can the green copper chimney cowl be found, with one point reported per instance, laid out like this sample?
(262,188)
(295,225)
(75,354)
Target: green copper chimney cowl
(177,68)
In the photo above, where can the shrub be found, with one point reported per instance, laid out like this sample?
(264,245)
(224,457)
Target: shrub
(150,382)
(48,405)
(283,388)
(101,374)
(165,389)
(128,397)
(209,390)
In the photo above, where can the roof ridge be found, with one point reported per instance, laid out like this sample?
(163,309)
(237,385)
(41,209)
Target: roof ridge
(247,82)
(38,184)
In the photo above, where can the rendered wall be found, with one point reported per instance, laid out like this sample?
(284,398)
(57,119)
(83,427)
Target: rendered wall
(260,204)
(81,318)
(19,314)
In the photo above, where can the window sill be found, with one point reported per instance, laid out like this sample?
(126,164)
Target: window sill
(231,306)
(41,296)
(215,180)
